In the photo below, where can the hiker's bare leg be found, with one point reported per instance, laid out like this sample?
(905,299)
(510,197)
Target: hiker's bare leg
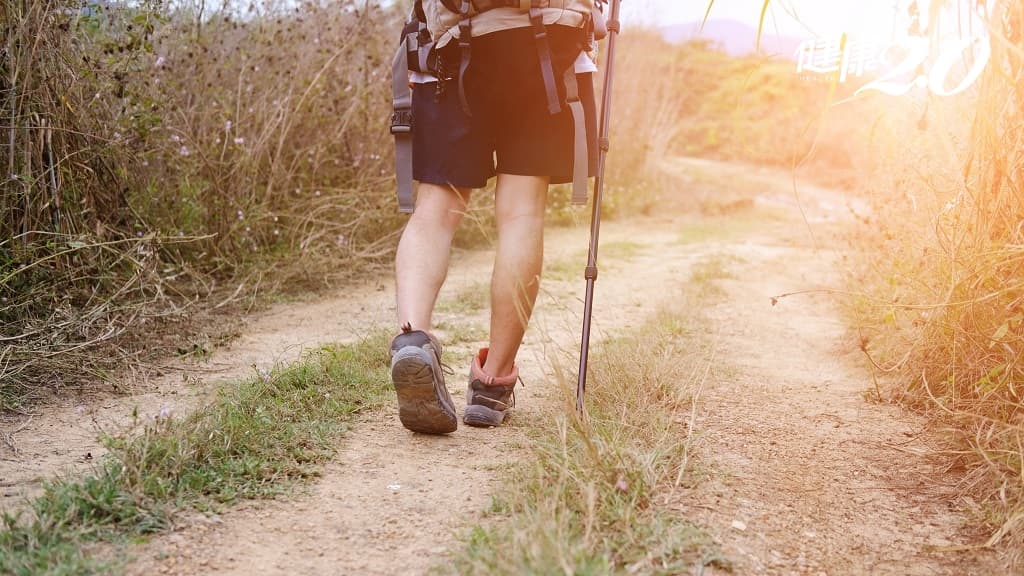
(421,263)
(519,211)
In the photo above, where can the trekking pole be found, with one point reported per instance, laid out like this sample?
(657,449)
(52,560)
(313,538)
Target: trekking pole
(595,218)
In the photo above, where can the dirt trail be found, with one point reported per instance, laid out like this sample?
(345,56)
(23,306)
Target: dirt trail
(396,502)
(816,479)
(800,475)
(804,476)
(62,438)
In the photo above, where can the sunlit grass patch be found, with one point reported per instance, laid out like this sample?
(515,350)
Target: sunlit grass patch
(253,440)
(718,175)
(589,500)
(711,268)
(705,230)
(728,228)
(565,269)
(621,250)
(612,254)
(469,300)
(456,332)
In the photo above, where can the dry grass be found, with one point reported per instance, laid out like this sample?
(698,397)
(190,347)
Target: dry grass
(70,276)
(591,499)
(944,318)
(159,159)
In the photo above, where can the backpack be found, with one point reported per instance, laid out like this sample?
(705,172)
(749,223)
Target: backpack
(416,52)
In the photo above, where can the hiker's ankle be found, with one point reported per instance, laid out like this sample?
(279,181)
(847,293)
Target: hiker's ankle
(484,371)
(498,371)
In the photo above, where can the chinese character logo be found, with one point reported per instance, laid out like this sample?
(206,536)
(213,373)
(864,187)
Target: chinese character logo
(838,54)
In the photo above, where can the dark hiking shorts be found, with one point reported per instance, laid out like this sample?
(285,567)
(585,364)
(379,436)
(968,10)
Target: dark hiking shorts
(510,130)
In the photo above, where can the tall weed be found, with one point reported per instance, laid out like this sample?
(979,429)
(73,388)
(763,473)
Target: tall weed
(156,153)
(592,499)
(944,317)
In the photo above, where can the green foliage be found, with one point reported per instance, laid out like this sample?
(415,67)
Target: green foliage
(252,441)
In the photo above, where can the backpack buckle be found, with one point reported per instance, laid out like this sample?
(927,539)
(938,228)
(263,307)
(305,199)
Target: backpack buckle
(537,20)
(401,121)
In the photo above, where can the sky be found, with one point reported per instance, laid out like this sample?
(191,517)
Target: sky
(796,18)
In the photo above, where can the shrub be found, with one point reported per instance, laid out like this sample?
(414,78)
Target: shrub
(153,152)
(944,316)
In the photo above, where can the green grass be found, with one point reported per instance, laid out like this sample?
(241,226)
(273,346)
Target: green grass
(565,269)
(728,228)
(706,273)
(461,332)
(571,268)
(621,250)
(469,300)
(254,439)
(591,498)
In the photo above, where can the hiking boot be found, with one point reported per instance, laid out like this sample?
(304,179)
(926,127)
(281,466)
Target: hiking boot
(424,404)
(489,400)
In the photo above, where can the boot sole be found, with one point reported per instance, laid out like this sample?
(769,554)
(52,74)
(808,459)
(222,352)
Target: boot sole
(483,417)
(424,404)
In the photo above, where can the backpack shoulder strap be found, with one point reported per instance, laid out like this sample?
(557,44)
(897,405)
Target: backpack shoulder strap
(544,55)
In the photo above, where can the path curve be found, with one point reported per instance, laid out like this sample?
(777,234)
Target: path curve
(799,473)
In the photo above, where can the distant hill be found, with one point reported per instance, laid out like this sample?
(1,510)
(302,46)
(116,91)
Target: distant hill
(734,37)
